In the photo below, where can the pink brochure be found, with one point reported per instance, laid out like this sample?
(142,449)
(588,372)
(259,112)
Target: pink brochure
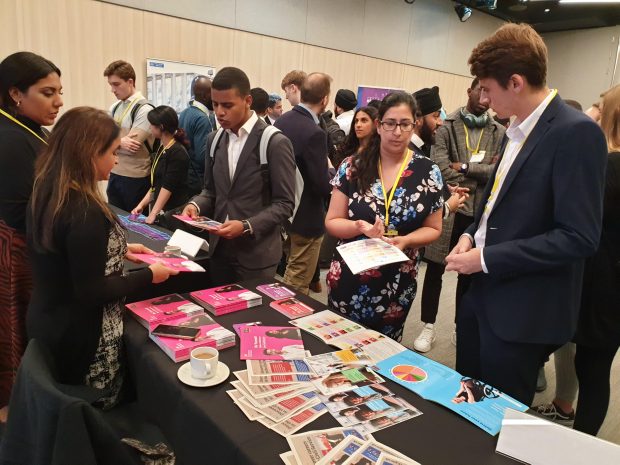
(152,312)
(171,261)
(271,343)
(275,290)
(291,308)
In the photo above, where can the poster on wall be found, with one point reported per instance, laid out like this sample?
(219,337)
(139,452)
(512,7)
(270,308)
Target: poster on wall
(367,93)
(169,82)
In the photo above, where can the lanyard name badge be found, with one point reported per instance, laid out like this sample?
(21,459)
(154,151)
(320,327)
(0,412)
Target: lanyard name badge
(137,98)
(477,155)
(19,123)
(156,161)
(388,198)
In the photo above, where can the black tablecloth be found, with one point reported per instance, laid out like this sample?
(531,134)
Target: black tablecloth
(204,426)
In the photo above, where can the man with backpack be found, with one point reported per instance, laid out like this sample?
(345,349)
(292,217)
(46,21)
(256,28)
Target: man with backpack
(129,180)
(301,126)
(249,185)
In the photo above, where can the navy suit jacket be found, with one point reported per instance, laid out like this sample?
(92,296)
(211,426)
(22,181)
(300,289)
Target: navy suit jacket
(545,222)
(310,148)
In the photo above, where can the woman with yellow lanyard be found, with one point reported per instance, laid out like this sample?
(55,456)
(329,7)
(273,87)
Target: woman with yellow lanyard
(30,97)
(390,192)
(170,164)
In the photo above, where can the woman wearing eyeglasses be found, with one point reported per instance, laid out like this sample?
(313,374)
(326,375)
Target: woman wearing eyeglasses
(381,297)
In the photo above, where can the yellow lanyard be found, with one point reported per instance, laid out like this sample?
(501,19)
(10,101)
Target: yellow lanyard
(472,151)
(500,174)
(388,199)
(138,96)
(157,157)
(19,123)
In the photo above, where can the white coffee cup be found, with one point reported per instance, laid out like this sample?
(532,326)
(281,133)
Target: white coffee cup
(203,362)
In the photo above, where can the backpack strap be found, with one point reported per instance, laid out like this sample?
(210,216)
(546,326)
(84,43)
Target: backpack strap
(215,142)
(115,107)
(266,136)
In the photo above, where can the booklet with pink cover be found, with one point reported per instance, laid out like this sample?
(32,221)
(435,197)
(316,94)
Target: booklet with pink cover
(227,299)
(271,343)
(171,261)
(291,308)
(201,222)
(152,312)
(211,335)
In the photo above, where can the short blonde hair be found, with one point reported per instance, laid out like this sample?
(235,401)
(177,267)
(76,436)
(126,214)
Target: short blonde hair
(610,118)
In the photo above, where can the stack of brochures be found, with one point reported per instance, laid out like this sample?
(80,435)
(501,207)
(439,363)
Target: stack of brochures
(340,446)
(227,299)
(284,407)
(152,312)
(211,335)
(271,343)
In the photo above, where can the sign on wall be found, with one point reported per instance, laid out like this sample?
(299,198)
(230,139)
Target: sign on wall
(169,82)
(367,93)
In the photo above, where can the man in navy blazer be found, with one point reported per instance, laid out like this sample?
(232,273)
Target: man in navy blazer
(301,126)
(541,218)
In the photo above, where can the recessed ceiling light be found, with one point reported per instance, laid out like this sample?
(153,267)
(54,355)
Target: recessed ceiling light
(547,10)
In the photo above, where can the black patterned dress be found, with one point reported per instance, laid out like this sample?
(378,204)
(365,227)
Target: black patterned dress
(381,298)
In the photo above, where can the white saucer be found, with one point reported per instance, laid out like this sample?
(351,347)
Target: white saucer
(185,375)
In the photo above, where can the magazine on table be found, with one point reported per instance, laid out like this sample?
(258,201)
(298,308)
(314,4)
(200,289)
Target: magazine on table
(343,333)
(364,254)
(151,312)
(330,362)
(352,451)
(261,390)
(211,335)
(275,291)
(308,448)
(377,414)
(170,261)
(474,400)
(271,343)
(358,396)
(291,308)
(262,402)
(226,299)
(277,367)
(298,421)
(346,380)
(285,408)
(293,378)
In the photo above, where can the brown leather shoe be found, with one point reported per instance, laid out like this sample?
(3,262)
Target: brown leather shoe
(316,287)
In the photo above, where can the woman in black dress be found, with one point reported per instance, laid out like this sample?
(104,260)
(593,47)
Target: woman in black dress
(170,164)
(381,297)
(598,331)
(30,97)
(77,252)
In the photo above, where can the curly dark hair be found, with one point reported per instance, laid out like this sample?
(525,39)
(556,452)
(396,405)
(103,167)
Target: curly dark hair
(364,164)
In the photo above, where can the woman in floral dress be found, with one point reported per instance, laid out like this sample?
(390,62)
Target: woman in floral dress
(381,297)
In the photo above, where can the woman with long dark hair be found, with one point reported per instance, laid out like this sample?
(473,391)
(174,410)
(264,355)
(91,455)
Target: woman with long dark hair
(30,98)
(363,127)
(170,164)
(77,251)
(385,191)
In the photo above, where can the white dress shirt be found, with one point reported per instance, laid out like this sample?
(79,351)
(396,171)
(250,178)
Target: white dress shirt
(236,142)
(344,120)
(517,134)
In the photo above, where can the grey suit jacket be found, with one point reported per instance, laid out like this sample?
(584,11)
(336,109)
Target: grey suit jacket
(242,197)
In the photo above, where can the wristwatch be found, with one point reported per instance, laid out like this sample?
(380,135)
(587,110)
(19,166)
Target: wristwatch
(464,168)
(247,228)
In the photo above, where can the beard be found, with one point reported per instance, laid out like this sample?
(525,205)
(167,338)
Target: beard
(427,136)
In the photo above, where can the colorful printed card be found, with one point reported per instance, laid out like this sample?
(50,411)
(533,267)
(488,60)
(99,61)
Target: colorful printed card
(275,291)
(201,222)
(331,362)
(346,380)
(365,254)
(292,308)
(271,343)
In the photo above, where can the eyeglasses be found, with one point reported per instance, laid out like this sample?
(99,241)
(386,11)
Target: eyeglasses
(405,126)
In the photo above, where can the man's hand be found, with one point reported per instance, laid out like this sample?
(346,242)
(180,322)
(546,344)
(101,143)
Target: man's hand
(229,230)
(190,210)
(463,245)
(130,144)
(464,263)
(456,166)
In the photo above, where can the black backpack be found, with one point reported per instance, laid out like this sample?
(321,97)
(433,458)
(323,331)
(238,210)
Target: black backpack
(335,135)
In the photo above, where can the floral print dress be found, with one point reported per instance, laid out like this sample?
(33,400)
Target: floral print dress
(380,298)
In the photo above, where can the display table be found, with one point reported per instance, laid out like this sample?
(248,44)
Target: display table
(203,425)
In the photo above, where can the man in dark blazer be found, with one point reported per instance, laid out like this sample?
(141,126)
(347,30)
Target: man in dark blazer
(252,204)
(301,126)
(540,217)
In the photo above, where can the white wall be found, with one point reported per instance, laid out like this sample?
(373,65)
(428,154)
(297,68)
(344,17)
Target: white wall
(427,34)
(581,63)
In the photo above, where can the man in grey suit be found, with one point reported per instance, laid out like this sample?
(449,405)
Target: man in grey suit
(251,200)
